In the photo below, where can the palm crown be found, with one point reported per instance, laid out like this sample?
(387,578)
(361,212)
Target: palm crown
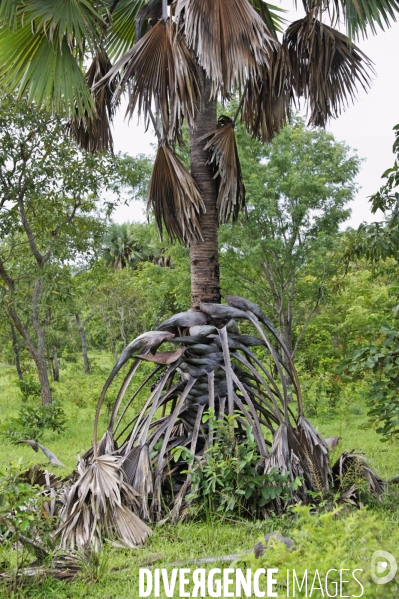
(174,63)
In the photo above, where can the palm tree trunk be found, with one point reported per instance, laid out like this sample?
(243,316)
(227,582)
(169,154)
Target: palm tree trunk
(205,283)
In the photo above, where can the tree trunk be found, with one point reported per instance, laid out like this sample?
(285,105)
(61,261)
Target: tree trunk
(56,365)
(45,393)
(83,339)
(204,260)
(16,349)
(38,356)
(286,335)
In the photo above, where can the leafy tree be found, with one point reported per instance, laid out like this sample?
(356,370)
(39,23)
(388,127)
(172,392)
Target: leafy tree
(180,66)
(50,217)
(298,190)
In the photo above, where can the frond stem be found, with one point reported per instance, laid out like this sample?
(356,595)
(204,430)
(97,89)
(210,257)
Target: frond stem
(241,103)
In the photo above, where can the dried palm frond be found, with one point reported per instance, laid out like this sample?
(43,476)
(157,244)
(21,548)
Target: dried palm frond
(223,147)
(229,38)
(215,370)
(267,98)
(326,68)
(93,132)
(351,466)
(35,475)
(174,197)
(99,504)
(52,458)
(160,71)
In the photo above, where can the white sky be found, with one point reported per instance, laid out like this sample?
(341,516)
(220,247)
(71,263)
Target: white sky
(366,126)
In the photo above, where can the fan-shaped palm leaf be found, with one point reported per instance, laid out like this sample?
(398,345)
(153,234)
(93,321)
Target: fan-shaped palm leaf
(99,504)
(174,197)
(266,102)
(326,67)
(42,45)
(160,70)
(223,147)
(357,14)
(122,32)
(93,131)
(229,38)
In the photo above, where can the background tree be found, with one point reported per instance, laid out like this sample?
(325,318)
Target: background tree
(50,215)
(298,191)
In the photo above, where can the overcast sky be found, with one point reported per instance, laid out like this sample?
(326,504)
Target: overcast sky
(365,126)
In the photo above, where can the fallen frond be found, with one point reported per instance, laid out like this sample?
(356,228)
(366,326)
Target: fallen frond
(100,504)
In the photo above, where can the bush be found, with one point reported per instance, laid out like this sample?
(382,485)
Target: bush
(33,420)
(22,511)
(333,541)
(228,480)
(29,387)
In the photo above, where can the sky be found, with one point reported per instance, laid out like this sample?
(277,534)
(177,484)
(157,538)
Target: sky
(365,126)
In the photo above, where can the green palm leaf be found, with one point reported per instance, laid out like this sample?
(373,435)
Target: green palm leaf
(271,14)
(49,76)
(358,15)
(42,47)
(122,34)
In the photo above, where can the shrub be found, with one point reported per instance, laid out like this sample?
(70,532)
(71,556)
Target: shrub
(33,420)
(228,480)
(324,541)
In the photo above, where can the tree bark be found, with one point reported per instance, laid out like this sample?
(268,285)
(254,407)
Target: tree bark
(16,349)
(82,332)
(204,259)
(56,365)
(286,335)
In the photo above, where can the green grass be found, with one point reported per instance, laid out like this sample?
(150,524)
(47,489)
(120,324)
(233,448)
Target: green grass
(117,572)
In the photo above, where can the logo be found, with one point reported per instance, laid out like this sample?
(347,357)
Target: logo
(383,563)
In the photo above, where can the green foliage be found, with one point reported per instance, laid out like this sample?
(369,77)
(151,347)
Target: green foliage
(29,387)
(387,197)
(22,509)
(228,480)
(33,420)
(297,189)
(381,361)
(328,541)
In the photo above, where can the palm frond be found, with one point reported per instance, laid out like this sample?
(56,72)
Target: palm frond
(360,16)
(47,76)
(122,33)
(99,504)
(174,197)
(223,147)
(267,98)
(159,70)
(93,131)
(271,14)
(326,68)
(42,46)
(229,38)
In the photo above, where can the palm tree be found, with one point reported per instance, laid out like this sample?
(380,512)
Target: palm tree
(122,249)
(189,56)
(175,64)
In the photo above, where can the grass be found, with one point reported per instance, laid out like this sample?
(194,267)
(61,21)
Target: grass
(116,573)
